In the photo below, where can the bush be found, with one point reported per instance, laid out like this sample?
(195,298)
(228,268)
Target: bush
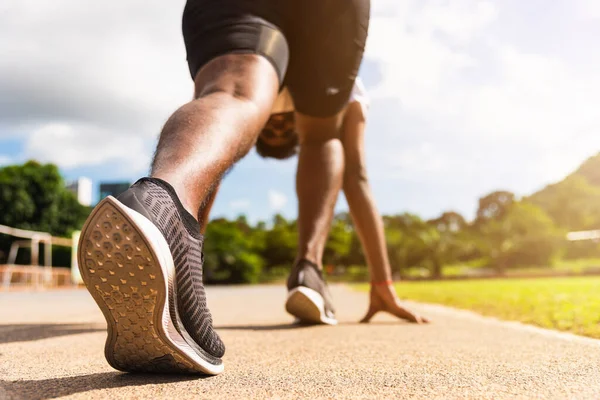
(278,273)
(230,254)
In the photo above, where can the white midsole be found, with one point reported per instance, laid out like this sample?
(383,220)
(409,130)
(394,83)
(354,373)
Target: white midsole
(316,298)
(161,248)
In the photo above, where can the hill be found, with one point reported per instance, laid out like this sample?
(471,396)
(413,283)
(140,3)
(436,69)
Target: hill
(574,202)
(590,170)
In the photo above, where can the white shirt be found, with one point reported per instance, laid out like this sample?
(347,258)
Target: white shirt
(359,95)
(284,102)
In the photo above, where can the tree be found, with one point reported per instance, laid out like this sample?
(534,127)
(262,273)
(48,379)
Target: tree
(572,203)
(355,255)
(280,243)
(449,221)
(590,170)
(230,254)
(447,240)
(33,196)
(525,236)
(494,206)
(406,239)
(339,240)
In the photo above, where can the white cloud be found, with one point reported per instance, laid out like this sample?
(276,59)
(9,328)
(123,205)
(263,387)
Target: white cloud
(432,77)
(588,9)
(277,200)
(473,90)
(458,20)
(429,48)
(5,160)
(76,145)
(100,67)
(478,93)
(537,99)
(239,204)
(414,161)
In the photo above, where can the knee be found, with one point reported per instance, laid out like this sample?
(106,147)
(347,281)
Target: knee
(247,78)
(318,131)
(355,174)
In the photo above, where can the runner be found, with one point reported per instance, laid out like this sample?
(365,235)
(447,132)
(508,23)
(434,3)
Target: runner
(141,255)
(309,299)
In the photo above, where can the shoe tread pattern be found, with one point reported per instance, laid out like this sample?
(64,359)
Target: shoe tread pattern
(123,276)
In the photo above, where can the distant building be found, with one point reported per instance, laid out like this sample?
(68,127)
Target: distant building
(82,188)
(113,189)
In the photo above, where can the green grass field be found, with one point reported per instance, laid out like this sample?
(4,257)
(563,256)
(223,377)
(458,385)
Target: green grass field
(566,304)
(475,267)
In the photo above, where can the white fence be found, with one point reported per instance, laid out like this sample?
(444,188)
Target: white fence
(583,235)
(33,240)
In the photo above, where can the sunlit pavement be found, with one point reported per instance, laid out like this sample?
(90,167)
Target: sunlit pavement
(51,346)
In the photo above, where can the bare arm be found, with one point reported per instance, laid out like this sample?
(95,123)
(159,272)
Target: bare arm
(367,220)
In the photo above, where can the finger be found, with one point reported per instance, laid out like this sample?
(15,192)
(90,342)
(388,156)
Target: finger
(408,316)
(368,316)
(421,320)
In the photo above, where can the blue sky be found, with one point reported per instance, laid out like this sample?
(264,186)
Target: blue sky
(468,96)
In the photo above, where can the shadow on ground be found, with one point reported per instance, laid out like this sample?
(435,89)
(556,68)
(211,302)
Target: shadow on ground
(276,327)
(59,387)
(279,327)
(31,332)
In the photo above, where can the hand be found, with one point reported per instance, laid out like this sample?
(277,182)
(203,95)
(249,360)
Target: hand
(384,298)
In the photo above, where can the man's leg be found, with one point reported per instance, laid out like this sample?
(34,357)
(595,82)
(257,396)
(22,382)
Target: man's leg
(198,144)
(141,255)
(319,180)
(203,139)
(320,82)
(206,207)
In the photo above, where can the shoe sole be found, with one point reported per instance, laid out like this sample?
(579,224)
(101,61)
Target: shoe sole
(128,269)
(308,306)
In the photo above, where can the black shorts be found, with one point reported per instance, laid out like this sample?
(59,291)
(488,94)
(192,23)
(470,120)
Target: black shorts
(325,41)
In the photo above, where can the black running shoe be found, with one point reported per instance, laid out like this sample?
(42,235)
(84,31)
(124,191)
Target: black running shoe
(141,259)
(308,298)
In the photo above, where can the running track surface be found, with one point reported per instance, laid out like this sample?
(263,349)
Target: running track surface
(51,346)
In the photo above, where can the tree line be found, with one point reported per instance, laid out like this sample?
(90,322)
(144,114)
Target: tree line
(506,233)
